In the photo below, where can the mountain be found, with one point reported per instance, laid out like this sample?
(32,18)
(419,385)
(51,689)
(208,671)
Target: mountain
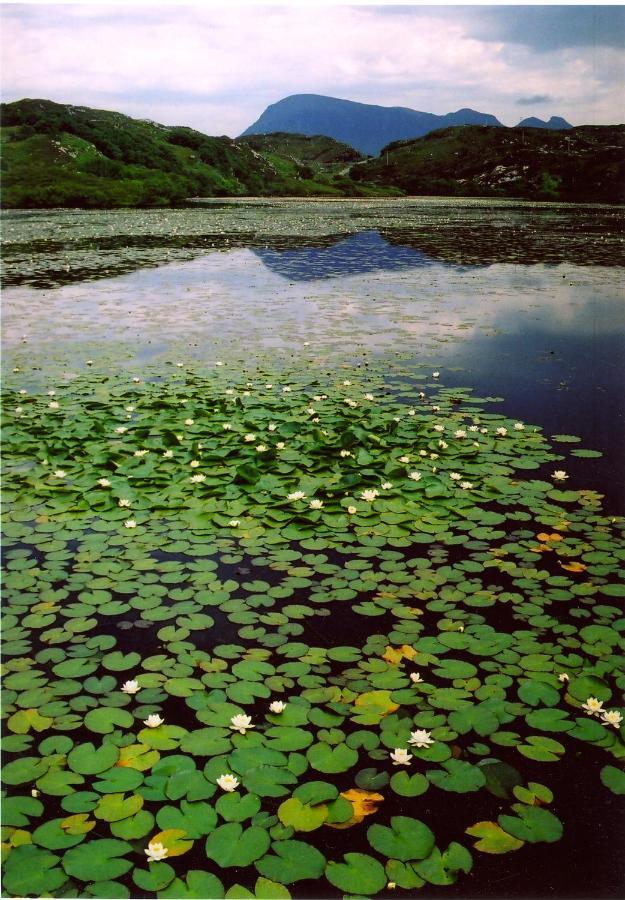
(56,154)
(555,123)
(583,164)
(364,126)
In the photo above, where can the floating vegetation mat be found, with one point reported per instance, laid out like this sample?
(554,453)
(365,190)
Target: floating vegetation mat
(276,633)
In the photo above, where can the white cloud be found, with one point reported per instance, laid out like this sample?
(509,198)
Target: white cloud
(217,68)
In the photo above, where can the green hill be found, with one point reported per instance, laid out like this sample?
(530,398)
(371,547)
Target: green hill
(60,155)
(584,164)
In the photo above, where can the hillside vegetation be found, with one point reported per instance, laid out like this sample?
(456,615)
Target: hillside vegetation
(61,155)
(585,164)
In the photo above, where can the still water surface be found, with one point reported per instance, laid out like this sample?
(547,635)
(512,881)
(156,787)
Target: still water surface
(517,301)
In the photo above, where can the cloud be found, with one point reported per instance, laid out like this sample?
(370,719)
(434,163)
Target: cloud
(547,28)
(534,100)
(217,67)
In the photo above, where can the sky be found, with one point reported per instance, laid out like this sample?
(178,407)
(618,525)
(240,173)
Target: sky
(216,66)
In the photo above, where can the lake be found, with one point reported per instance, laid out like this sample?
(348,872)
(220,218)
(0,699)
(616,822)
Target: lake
(361,457)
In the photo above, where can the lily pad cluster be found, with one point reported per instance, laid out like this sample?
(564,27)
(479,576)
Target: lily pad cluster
(270,628)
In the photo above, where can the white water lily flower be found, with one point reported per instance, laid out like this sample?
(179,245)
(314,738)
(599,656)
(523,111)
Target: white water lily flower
(269,386)
(612,717)
(404,459)
(315,503)
(141,453)
(261,448)
(435,455)
(351,403)
(156,851)
(22,391)
(483,430)
(53,404)
(415,476)
(179,365)
(286,390)
(386,485)
(296,495)
(563,677)
(347,383)
(455,476)
(559,475)
(189,421)
(196,479)
(167,454)
(443,445)
(352,510)
(439,428)
(311,410)
(121,429)
(129,409)
(246,393)
(19,410)
(466,485)
(460,433)
(369,397)
(130,523)
(400,757)
(153,721)
(234,523)
(123,502)
(104,482)
(412,412)
(59,473)
(436,409)
(131,687)
(34,792)
(228,783)
(421,395)
(277,706)
(219,363)
(519,426)
(345,453)
(194,463)
(272,426)
(183,401)
(229,392)
(136,380)
(423,453)
(421,738)
(369,495)
(280,445)
(249,438)
(240,723)
(501,431)
(415,677)
(227,426)
(435,374)
(473,428)
(593,706)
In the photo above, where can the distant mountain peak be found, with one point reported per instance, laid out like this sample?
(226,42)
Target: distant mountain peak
(365,126)
(555,123)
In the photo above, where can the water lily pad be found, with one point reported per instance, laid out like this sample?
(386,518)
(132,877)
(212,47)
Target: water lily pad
(98,860)
(359,874)
(405,840)
(291,861)
(492,838)
(232,845)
